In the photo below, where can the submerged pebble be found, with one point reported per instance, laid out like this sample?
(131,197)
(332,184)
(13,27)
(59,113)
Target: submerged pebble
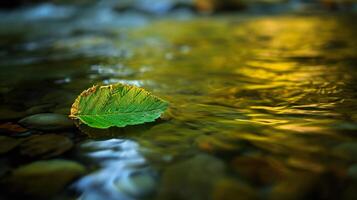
(39,109)
(305,164)
(346,150)
(211,144)
(230,189)
(45,146)
(4,167)
(8,143)
(258,170)
(350,192)
(308,185)
(352,171)
(191,179)
(42,179)
(9,114)
(137,185)
(11,128)
(294,188)
(62,110)
(60,97)
(47,122)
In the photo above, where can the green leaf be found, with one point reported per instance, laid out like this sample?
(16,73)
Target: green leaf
(116,105)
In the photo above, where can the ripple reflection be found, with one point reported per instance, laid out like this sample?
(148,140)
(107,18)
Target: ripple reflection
(123,172)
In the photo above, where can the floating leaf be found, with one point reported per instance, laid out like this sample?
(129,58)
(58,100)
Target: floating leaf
(116,105)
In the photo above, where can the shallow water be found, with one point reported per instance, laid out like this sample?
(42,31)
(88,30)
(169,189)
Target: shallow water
(261,107)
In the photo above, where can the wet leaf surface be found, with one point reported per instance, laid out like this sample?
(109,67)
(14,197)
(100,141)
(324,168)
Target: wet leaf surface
(116,105)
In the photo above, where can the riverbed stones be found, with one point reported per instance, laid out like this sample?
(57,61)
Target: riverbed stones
(346,151)
(39,109)
(14,130)
(305,164)
(191,179)
(42,178)
(47,122)
(62,110)
(231,189)
(10,114)
(296,187)
(11,128)
(299,185)
(258,170)
(350,192)
(60,97)
(8,143)
(211,144)
(352,171)
(138,185)
(45,146)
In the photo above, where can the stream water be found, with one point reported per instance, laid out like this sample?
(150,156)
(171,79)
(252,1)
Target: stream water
(261,106)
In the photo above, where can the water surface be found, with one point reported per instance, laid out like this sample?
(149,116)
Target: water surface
(261,107)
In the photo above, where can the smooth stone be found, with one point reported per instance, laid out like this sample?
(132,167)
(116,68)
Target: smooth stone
(346,151)
(230,189)
(191,179)
(8,114)
(24,134)
(211,144)
(11,128)
(39,109)
(352,171)
(8,143)
(60,97)
(307,185)
(4,167)
(137,185)
(296,187)
(43,178)
(259,170)
(5,89)
(45,146)
(305,164)
(350,192)
(63,111)
(47,122)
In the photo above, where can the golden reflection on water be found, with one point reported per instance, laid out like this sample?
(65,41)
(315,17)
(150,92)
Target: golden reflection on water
(277,91)
(263,80)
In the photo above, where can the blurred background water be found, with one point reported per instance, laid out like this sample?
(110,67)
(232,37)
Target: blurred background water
(262,93)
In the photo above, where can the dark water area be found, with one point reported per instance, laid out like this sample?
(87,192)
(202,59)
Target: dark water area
(261,106)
